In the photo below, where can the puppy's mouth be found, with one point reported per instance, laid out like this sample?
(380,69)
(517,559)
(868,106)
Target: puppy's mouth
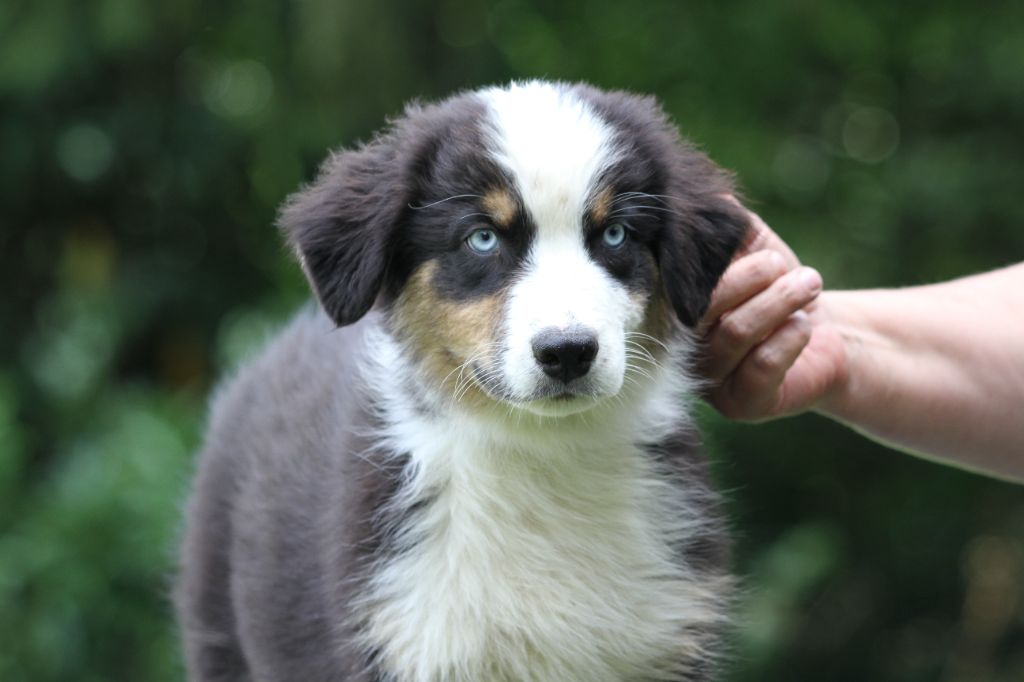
(561,393)
(555,398)
(561,404)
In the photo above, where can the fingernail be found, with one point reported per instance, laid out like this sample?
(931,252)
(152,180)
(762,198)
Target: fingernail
(811,279)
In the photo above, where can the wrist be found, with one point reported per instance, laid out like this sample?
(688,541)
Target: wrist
(841,313)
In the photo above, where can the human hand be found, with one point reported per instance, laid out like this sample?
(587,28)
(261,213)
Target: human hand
(771,349)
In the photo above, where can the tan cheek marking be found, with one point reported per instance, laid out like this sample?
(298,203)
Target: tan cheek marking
(601,206)
(444,334)
(659,317)
(502,208)
(659,321)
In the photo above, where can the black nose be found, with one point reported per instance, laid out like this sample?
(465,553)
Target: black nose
(565,355)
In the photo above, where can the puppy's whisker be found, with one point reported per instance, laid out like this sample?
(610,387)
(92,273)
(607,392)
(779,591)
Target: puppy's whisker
(637,370)
(441,201)
(645,195)
(648,337)
(462,367)
(639,210)
(464,381)
(624,215)
(638,347)
(472,215)
(643,356)
(635,361)
(483,376)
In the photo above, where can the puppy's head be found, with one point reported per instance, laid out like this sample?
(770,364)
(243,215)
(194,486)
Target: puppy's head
(529,245)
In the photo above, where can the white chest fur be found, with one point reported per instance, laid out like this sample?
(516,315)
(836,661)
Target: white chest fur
(536,559)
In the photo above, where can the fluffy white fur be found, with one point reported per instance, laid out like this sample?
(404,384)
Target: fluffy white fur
(553,146)
(540,554)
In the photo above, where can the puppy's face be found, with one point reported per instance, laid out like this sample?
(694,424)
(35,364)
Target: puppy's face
(530,244)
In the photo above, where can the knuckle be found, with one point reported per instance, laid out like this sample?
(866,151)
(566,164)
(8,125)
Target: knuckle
(762,270)
(735,330)
(764,360)
(802,330)
(723,289)
(792,292)
(760,230)
(763,266)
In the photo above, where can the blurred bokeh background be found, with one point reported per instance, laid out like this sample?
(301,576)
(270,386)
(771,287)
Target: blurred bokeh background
(144,147)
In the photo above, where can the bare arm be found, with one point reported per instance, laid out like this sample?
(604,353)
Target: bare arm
(935,370)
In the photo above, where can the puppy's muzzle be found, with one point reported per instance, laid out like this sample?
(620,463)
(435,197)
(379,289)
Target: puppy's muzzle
(565,354)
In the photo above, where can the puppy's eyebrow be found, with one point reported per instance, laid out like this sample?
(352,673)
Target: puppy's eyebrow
(601,205)
(501,206)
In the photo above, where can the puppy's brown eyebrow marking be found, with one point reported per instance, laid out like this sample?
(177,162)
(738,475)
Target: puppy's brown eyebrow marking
(501,206)
(601,205)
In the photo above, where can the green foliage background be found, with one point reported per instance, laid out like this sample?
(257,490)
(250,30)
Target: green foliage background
(144,147)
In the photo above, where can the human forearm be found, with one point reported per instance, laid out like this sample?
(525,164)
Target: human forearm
(936,370)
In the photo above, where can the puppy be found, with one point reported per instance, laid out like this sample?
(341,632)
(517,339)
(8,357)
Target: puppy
(474,462)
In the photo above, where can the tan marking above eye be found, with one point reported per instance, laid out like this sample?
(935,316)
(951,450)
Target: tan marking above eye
(601,206)
(501,206)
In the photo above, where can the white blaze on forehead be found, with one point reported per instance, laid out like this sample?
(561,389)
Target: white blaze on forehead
(554,147)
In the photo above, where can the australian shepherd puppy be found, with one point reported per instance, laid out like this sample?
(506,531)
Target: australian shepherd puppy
(474,462)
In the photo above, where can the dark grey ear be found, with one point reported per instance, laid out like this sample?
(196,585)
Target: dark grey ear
(697,250)
(341,226)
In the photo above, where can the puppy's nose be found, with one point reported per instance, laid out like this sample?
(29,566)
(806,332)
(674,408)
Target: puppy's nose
(565,355)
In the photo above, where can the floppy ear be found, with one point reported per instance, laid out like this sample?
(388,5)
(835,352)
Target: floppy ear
(342,225)
(696,250)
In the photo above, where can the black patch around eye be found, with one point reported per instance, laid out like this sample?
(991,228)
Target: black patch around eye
(632,262)
(463,273)
(451,200)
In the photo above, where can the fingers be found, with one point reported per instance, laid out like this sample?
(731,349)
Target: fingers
(756,326)
(753,391)
(747,325)
(745,278)
(762,258)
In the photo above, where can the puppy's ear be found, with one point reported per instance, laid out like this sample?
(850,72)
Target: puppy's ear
(342,226)
(697,250)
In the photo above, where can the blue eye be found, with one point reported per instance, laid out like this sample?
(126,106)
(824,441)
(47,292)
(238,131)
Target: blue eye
(483,241)
(614,235)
